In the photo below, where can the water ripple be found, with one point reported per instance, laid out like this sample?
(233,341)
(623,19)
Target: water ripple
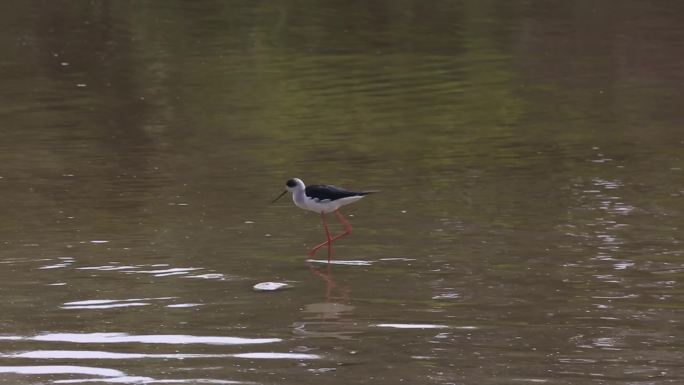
(110,303)
(342,262)
(61,369)
(104,355)
(411,326)
(110,338)
(147,380)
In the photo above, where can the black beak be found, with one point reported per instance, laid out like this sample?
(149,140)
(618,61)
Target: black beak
(279,196)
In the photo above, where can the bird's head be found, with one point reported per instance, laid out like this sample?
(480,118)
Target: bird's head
(291,185)
(294,184)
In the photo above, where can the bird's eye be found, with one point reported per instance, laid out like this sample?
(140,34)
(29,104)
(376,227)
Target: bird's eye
(291,183)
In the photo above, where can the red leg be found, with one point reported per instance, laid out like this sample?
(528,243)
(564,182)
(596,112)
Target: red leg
(347,226)
(328,242)
(347,231)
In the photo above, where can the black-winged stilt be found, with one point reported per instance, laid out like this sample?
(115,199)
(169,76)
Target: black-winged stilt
(323,199)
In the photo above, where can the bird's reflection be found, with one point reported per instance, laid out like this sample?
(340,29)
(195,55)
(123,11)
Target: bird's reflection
(334,292)
(325,319)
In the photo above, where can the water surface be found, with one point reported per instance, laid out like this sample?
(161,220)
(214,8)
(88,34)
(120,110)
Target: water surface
(529,228)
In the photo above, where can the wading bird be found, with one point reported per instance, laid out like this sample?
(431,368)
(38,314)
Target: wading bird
(323,199)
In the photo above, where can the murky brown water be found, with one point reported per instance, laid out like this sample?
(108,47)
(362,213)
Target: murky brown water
(529,230)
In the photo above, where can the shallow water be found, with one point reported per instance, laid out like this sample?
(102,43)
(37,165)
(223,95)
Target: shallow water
(528,229)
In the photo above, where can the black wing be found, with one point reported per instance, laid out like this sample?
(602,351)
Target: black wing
(328,192)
